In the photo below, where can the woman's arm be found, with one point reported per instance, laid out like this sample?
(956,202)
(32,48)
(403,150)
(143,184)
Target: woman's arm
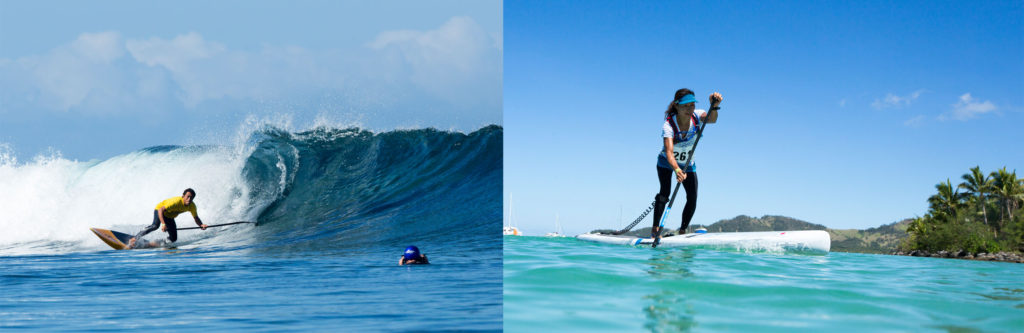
(712,116)
(680,175)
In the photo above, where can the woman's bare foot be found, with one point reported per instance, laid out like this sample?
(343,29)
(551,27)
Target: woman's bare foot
(131,243)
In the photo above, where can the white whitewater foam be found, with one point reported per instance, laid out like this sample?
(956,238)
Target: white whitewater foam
(52,199)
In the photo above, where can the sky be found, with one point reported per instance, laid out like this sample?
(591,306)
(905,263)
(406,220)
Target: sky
(91,80)
(840,113)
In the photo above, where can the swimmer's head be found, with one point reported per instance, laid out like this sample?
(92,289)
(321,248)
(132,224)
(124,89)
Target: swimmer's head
(411,252)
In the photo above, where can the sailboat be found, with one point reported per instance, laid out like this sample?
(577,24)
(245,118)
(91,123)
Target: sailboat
(558,227)
(508,229)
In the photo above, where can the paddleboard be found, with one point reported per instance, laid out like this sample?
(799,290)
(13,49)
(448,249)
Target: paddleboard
(803,241)
(116,240)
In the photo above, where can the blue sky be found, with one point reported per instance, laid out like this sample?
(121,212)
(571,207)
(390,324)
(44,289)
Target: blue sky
(839,113)
(97,79)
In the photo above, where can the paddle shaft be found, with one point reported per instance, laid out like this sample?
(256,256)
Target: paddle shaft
(670,202)
(689,156)
(217,225)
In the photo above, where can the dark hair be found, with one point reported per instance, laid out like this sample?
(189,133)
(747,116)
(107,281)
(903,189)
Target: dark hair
(679,94)
(188,190)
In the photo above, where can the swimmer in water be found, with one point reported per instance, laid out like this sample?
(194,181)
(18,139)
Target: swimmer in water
(412,256)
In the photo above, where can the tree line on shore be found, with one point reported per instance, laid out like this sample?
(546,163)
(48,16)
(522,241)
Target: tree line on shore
(981,214)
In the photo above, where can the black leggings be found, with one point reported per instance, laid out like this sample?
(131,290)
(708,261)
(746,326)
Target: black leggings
(666,177)
(172,228)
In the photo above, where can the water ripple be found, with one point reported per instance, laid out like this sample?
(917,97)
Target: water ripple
(567,284)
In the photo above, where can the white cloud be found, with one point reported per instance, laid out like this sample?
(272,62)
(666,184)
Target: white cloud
(455,61)
(968,107)
(102,47)
(894,101)
(173,54)
(458,64)
(203,70)
(915,121)
(83,71)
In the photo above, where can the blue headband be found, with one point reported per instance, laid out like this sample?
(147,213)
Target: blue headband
(686,99)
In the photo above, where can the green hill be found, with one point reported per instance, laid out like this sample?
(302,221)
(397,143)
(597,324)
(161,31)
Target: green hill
(745,223)
(883,239)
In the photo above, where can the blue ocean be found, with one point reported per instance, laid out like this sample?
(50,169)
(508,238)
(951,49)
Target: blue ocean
(568,285)
(334,209)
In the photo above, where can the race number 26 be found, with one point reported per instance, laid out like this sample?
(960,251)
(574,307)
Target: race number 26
(680,156)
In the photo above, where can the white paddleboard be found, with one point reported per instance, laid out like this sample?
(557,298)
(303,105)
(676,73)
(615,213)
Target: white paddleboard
(803,241)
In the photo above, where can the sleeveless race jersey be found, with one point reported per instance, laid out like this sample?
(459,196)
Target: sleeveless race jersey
(682,142)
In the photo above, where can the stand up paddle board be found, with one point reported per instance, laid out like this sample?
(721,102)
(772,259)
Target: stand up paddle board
(803,241)
(116,240)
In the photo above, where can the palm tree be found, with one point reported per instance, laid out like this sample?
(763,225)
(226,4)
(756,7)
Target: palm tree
(946,201)
(919,226)
(1009,190)
(978,184)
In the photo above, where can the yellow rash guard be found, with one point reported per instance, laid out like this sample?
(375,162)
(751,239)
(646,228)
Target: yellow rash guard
(175,206)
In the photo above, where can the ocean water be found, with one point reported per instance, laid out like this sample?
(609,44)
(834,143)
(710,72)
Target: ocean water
(563,284)
(334,208)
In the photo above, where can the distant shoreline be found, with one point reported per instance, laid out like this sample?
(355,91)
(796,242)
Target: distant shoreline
(998,256)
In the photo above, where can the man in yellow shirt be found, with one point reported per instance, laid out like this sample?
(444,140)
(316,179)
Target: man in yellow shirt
(165,213)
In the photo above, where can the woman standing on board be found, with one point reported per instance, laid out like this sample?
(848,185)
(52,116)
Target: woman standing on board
(679,132)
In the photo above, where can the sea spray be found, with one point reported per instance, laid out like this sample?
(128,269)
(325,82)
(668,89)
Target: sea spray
(56,199)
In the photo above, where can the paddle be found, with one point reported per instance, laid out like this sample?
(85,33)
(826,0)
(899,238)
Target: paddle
(217,225)
(661,224)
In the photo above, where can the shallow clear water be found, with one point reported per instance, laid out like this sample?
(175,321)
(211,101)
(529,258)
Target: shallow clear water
(567,284)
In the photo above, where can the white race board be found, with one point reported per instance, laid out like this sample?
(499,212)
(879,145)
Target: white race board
(803,241)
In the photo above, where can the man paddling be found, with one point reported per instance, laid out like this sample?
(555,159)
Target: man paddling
(164,214)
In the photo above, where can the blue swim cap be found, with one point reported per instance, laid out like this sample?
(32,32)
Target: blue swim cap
(412,252)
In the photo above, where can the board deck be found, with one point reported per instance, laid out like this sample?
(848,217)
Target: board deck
(802,241)
(116,240)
